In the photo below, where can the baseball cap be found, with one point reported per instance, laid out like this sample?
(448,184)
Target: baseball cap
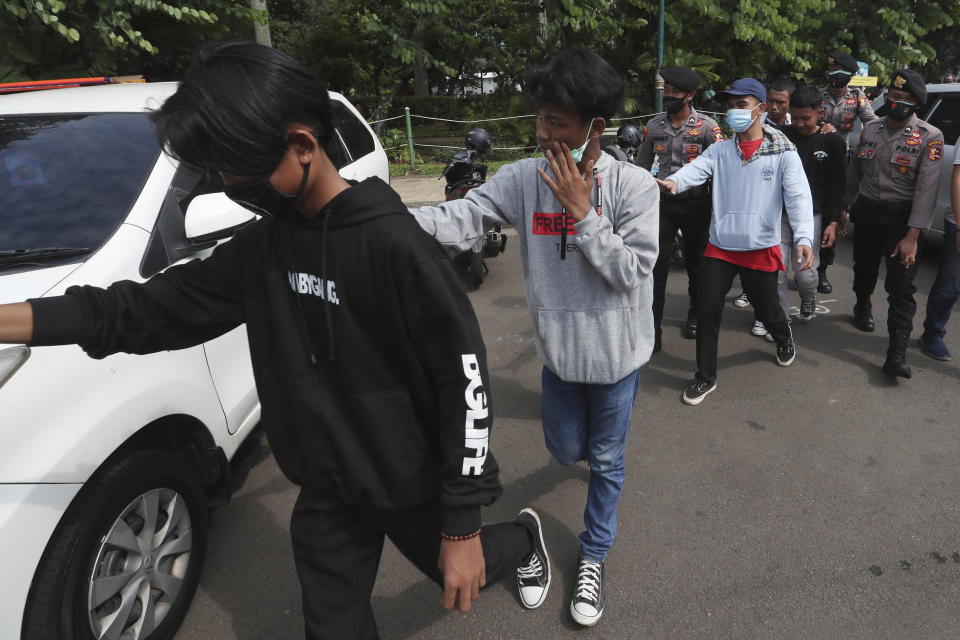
(743,87)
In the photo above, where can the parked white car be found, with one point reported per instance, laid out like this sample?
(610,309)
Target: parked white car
(108,467)
(943,112)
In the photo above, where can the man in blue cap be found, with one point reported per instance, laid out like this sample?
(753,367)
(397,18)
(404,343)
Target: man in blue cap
(755,175)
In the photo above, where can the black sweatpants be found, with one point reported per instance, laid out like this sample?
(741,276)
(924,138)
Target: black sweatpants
(878,228)
(716,278)
(337,550)
(692,217)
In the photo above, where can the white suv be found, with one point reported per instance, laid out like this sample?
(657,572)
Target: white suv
(943,112)
(108,467)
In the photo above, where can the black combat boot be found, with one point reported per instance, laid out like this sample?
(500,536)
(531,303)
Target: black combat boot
(896,362)
(823,285)
(863,314)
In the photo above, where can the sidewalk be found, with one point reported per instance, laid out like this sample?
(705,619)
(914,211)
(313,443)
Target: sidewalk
(417,191)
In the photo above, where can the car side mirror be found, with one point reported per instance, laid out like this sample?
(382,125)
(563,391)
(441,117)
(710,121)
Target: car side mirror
(214,216)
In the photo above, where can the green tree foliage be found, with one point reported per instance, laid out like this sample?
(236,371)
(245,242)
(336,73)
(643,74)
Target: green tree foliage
(56,38)
(389,48)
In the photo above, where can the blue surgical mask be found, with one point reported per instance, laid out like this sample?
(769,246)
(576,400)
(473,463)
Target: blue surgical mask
(740,119)
(578,153)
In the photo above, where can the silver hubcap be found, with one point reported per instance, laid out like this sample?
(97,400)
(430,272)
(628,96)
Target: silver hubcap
(140,567)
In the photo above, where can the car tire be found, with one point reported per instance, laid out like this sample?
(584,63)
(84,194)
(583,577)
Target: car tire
(101,571)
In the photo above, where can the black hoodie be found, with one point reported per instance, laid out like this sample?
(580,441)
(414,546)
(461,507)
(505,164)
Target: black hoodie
(367,355)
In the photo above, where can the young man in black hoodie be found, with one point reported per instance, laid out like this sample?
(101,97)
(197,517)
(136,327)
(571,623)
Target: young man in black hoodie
(367,355)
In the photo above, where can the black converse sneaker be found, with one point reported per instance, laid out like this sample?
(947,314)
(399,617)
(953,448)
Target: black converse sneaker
(808,309)
(697,391)
(787,351)
(587,605)
(533,576)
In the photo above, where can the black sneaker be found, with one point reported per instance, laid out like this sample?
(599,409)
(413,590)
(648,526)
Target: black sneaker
(690,327)
(786,352)
(697,391)
(808,309)
(824,286)
(533,576)
(587,604)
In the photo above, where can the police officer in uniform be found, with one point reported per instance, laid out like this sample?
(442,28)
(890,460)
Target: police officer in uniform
(894,176)
(676,137)
(842,105)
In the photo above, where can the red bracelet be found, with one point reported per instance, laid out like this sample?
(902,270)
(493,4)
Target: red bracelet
(446,536)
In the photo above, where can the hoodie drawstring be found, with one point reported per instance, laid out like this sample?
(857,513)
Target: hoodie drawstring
(331,353)
(301,316)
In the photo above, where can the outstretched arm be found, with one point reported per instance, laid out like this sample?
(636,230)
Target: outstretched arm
(16,323)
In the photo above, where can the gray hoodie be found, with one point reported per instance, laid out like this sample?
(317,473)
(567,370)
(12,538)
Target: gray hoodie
(591,312)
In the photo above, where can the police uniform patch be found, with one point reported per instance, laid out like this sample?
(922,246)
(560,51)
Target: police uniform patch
(899,82)
(691,158)
(851,101)
(694,132)
(862,101)
(717,133)
(870,153)
(904,160)
(903,170)
(916,134)
(692,148)
(659,148)
(698,123)
(911,141)
(935,152)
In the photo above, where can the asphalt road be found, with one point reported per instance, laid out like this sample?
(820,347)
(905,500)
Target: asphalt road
(817,501)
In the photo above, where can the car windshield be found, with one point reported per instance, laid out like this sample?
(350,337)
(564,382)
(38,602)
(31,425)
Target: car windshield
(68,181)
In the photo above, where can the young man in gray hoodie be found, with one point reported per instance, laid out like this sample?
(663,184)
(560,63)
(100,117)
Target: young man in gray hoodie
(588,233)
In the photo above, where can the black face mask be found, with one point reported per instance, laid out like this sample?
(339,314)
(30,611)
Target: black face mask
(899,111)
(263,199)
(839,79)
(673,105)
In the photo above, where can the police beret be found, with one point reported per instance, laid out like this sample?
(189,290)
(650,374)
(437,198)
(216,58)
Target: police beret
(681,77)
(911,81)
(843,60)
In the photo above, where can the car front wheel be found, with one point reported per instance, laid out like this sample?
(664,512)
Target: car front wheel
(125,561)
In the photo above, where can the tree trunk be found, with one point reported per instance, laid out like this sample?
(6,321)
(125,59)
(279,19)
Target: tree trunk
(421,82)
(261,32)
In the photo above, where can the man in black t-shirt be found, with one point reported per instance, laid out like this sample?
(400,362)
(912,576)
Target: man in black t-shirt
(824,161)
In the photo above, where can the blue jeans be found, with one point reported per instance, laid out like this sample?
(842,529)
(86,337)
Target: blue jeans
(946,287)
(591,422)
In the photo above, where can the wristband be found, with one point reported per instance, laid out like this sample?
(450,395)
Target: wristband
(446,536)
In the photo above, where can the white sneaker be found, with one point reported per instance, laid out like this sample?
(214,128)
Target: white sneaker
(741,300)
(758,329)
(587,604)
(533,577)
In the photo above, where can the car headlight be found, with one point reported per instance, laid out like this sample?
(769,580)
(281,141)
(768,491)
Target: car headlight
(10,361)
